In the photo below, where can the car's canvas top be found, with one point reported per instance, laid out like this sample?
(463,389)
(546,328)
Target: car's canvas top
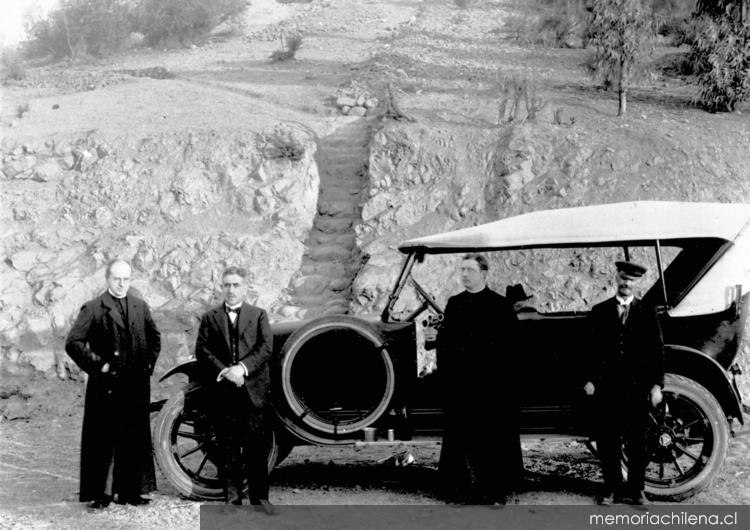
(593,225)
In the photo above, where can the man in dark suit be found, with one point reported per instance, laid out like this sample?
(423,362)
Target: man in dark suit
(116,342)
(480,458)
(234,347)
(626,375)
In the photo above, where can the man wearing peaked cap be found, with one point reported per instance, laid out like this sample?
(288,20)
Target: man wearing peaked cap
(625,377)
(630,270)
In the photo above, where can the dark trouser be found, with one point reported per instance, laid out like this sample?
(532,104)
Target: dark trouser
(243,439)
(627,425)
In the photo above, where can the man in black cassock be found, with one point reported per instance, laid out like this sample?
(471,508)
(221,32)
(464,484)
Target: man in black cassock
(480,458)
(116,342)
(626,375)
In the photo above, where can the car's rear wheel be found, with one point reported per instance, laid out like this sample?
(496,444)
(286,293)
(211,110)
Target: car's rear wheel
(185,447)
(687,440)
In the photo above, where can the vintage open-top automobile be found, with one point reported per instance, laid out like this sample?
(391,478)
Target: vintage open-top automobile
(335,376)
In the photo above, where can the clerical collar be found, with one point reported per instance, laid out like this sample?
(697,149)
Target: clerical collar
(477,291)
(624,301)
(113,295)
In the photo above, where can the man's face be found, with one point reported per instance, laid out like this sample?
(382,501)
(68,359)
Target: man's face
(625,285)
(472,277)
(118,280)
(233,289)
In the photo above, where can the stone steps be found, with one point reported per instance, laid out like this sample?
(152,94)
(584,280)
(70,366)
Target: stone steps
(322,284)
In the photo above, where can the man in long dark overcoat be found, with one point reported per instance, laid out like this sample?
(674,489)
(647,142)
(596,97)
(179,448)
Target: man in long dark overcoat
(116,342)
(625,378)
(234,347)
(480,458)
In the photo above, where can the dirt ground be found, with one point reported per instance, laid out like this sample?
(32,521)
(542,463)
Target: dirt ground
(39,475)
(439,55)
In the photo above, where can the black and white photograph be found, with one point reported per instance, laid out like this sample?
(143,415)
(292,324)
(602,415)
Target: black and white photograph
(375,264)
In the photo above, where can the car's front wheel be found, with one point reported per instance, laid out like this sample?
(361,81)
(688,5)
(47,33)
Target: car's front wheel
(687,440)
(185,447)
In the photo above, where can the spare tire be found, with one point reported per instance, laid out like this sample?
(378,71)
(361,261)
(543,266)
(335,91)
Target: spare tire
(335,378)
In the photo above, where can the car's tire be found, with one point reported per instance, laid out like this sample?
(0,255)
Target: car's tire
(183,443)
(335,377)
(688,440)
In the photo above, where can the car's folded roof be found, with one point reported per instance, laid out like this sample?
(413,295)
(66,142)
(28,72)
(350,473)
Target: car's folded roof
(594,225)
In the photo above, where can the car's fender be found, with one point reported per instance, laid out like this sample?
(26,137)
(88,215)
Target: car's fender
(189,368)
(700,367)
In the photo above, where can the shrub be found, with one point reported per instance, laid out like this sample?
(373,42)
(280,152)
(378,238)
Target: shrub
(282,145)
(518,101)
(13,67)
(289,47)
(82,27)
(721,55)
(560,23)
(175,22)
(22,109)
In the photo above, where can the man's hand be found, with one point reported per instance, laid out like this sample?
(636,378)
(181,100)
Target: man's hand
(430,334)
(236,374)
(655,395)
(589,388)
(105,368)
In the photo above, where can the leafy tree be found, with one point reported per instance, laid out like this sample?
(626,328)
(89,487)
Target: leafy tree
(622,31)
(82,27)
(184,21)
(721,53)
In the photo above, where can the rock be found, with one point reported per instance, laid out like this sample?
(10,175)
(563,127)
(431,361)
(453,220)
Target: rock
(42,360)
(38,332)
(288,311)
(103,217)
(357,111)
(311,285)
(345,109)
(360,101)
(15,408)
(518,179)
(26,260)
(47,171)
(68,161)
(371,103)
(344,101)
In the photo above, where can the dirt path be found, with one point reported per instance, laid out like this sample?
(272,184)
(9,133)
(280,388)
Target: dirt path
(330,263)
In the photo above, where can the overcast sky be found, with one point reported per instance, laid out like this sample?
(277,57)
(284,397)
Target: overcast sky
(11,20)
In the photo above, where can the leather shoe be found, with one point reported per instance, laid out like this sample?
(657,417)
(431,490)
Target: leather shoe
(234,496)
(606,500)
(265,506)
(134,501)
(100,503)
(639,500)
(610,499)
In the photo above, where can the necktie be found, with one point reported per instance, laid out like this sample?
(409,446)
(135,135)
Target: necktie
(624,308)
